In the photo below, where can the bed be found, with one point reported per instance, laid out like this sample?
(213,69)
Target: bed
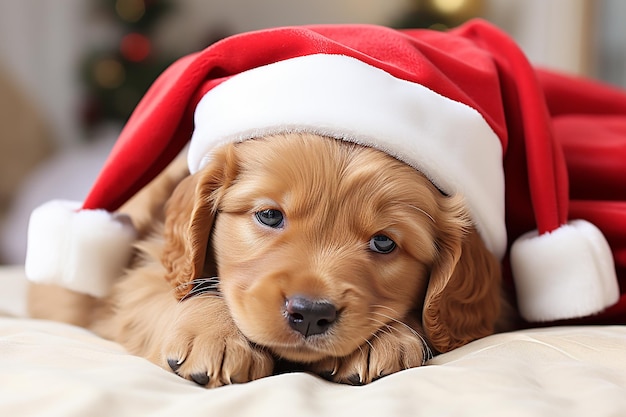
(53,369)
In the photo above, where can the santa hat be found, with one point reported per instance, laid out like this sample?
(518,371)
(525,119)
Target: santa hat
(462,107)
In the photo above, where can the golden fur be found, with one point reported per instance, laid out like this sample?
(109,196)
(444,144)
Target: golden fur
(437,290)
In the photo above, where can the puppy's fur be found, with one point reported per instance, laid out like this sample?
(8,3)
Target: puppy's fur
(208,293)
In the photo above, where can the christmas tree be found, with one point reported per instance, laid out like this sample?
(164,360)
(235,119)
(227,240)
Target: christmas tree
(117,73)
(439,14)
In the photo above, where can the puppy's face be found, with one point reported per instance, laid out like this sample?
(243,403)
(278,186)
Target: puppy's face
(319,244)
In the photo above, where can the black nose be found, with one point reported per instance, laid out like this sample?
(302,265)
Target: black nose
(310,317)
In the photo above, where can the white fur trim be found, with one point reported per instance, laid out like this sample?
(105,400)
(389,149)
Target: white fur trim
(82,250)
(344,98)
(566,274)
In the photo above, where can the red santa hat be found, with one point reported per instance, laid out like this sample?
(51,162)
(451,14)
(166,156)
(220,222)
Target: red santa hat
(463,107)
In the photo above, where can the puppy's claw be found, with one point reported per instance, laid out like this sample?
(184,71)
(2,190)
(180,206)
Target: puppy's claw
(327,375)
(208,351)
(200,378)
(396,348)
(174,364)
(355,379)
(379,376)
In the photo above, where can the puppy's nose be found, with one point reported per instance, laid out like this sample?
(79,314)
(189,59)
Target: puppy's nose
(310,317)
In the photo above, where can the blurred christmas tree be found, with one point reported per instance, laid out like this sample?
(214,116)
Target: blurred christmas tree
(439,14)
(118,71)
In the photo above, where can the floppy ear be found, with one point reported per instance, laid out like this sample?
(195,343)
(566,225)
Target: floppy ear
(463,297)
(189,216)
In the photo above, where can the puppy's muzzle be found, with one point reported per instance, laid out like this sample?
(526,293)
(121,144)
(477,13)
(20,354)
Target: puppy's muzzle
(310,317)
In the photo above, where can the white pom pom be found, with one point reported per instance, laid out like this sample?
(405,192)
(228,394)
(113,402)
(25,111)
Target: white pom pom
(82,250)
(565,274)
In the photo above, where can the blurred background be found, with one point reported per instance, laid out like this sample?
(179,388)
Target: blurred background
(71,71)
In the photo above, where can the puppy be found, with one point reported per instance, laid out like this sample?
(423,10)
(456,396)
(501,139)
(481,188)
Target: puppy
(326,254)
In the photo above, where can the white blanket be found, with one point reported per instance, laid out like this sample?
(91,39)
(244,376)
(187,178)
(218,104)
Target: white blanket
(52,369)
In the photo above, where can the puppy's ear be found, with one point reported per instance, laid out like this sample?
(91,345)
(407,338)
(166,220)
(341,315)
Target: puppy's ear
(189,216)
(463,297)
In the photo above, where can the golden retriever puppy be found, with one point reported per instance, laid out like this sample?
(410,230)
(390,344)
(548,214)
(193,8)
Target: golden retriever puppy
(326,254)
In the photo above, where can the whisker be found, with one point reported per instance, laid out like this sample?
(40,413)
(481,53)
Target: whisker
(427,352)
(409,328)
(387,307)
(423,212)
(336,362)
(382,327)
(361,348)
(200,280)
(206,287)
(207,295)
(369,343)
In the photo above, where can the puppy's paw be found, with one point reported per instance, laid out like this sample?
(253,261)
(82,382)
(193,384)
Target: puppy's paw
(393,348)
(206,347)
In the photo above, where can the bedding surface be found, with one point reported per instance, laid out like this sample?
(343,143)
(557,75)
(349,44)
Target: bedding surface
(53,369)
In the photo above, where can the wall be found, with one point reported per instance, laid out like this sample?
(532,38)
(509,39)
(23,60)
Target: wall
(41,42)
(553,33)
(194,17)
(610,46)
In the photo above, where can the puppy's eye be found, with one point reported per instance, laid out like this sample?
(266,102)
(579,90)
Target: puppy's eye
(382,244)
(271,218)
